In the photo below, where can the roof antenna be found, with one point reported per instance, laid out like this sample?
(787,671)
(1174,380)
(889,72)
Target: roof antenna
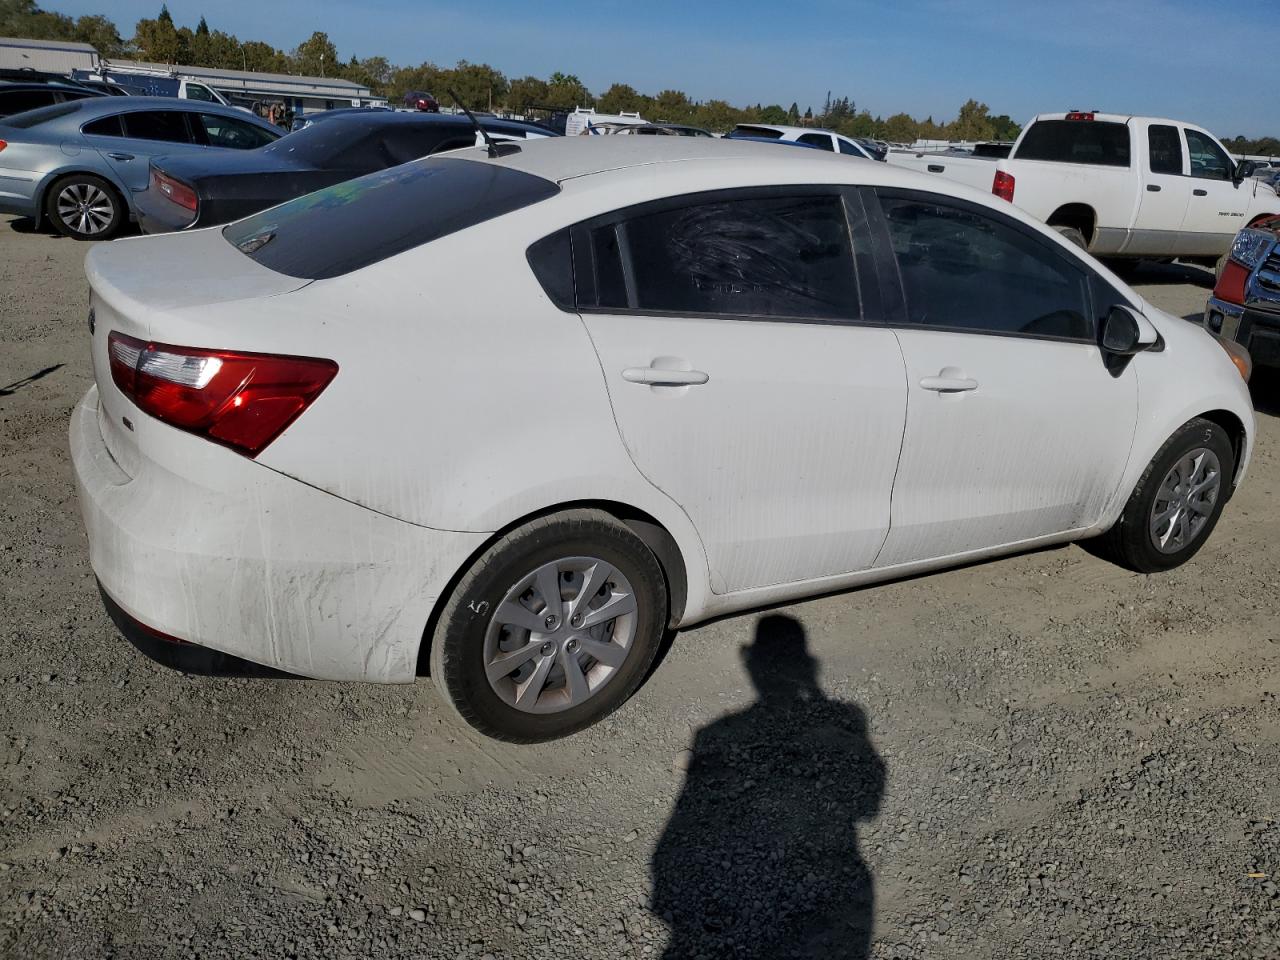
(496,149)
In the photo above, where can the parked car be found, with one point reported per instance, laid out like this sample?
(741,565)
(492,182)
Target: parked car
(301,122)
(518,415)
(1120,186)
(663,129)
(422,101)
(20,97)
(77,164)
(827,140)
(1245,305)
(187,191)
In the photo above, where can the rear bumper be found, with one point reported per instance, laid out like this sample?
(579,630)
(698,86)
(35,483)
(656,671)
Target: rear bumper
(260,566)
(159,216)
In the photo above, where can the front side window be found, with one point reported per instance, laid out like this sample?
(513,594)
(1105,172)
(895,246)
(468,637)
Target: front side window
(169,126)
(1208,160)
(849,149)
(819,140)
(1100,142)
(222,131)
(1165,149)
(197,92)
(783,257)
(963,269)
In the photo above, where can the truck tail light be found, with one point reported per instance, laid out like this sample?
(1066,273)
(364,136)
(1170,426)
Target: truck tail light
(1079,115)
(1231,283)
(177,191)
(1002,185)
(241,400)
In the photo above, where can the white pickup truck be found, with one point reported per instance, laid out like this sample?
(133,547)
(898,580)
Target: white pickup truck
(1120,186)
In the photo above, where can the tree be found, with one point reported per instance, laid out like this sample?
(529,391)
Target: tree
(972,123)
(901,128)
(772,114)
(315,55)
(164,15)
(620,98)
(480,86)
(159,40)
(101,33)
(1004,127)
(672,106)
(566,91)
(525,93)
(793,115)
(202,28)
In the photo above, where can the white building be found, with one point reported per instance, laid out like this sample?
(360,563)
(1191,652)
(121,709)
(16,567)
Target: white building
(49,56)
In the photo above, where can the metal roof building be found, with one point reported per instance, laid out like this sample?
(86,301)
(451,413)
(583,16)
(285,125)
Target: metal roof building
(53,56)
(301,93)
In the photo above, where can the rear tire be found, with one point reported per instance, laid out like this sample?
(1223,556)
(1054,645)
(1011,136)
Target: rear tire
(519,652)
(84,207)
(1176,503)
(1075,235)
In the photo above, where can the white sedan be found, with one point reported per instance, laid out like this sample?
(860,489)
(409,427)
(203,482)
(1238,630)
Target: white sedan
(515,416)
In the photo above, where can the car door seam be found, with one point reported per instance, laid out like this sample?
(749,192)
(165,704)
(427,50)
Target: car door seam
(902,442)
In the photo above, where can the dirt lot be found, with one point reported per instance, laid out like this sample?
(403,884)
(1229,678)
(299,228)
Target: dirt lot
(1044,756)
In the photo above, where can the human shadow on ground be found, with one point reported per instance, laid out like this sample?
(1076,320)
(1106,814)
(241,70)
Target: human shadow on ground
(760,857)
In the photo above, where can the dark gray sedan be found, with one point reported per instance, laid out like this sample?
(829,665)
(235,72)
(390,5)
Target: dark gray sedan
(78,164)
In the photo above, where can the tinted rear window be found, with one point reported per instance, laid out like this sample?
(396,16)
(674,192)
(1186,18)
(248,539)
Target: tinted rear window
(354,224)
(33,118)
(1077,141)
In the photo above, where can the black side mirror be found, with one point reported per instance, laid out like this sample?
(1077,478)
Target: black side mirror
(1121,335)
(1244,170)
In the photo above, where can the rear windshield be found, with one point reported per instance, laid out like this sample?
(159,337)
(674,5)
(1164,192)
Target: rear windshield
(745,131)
(1098,142)
(354,224)
(33,118)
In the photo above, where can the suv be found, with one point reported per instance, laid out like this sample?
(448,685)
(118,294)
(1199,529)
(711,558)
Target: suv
(827,140)
(21,97)
(421,100)
(1245,305)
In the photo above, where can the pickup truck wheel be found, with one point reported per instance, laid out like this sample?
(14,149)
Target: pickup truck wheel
(1075,235)
(1177,502)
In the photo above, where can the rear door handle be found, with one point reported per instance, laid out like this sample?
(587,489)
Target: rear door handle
(949,384)
(1153,188)
(120,156)
(1201,193)
(936,168)
(664,378)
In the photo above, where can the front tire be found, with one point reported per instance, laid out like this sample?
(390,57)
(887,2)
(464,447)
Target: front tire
(84,207)
(1177,501)
(552,628)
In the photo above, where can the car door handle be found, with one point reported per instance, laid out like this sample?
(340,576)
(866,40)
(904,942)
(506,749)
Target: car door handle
(120,156)
(949,384)
(1153,188)
(1200,193)
(656,377)
(936,168)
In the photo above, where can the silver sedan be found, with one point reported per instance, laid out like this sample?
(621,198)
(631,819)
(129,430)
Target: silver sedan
(78,164)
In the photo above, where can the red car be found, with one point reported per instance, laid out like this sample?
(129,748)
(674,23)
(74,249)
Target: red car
(420,100)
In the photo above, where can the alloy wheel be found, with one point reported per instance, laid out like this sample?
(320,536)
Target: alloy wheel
(1185,501)
(85,208)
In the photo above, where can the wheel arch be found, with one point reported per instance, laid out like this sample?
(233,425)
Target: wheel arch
(1079,215)
(1235,430)
(645,526)
(51,180)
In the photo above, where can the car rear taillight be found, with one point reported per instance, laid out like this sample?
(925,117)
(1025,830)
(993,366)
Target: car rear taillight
(177,191)
(241,400)
(1232,282)
(1002,185)
(3,144)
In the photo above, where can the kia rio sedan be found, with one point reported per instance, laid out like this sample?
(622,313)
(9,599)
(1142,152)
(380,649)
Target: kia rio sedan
(512,417)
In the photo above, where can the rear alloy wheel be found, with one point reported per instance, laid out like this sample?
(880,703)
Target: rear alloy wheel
(552,629)
(84,207)
(1177,502)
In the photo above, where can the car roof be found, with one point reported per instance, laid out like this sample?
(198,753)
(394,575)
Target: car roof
(64,85)
(94,106)
(785,128)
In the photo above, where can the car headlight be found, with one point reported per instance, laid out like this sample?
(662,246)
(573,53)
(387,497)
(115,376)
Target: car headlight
(1250,246)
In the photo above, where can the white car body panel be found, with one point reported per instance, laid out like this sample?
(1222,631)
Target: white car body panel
(454,416)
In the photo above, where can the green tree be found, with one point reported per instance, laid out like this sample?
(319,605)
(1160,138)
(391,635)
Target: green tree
(773,113)
(972,123)
(202,28)
(101,33)
(619,98)
(793,115)
(1004,127)
(566,91)
(262,57)
(901,128)
(316,55)
(480,86)
(716,115)
(159,40)
(525,93)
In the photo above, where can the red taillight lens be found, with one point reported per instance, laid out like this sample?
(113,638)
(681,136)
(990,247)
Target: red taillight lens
(1231,284)
(3,144)
(241,400)
(1002,185)
(175,190)
(1079,115)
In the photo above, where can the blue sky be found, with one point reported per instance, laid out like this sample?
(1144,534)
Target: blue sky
(1187,59)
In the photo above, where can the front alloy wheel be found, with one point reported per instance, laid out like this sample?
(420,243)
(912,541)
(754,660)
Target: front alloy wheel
(84,207)
(552,628)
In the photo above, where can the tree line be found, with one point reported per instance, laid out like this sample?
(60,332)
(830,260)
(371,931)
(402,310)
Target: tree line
(485,87)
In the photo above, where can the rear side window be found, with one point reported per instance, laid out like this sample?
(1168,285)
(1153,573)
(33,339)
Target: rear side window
(1165,149)
(34,118)
(819,140)
(784,257)
(1098,142)
(963,269)
(765,132)
(168,126)
(357,223)
(20,101)
(104,127)
(222,131)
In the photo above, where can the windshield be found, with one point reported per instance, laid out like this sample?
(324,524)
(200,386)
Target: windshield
(40,115)
(357,223)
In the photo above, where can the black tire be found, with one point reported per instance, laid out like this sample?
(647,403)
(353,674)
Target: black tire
(458,643)
(1075,235)
(1130,543)
(104,220)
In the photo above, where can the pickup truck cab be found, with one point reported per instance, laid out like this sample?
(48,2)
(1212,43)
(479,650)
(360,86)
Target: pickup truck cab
(1120,186)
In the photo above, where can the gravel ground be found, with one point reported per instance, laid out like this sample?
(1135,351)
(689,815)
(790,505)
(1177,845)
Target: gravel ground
(1043,756)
